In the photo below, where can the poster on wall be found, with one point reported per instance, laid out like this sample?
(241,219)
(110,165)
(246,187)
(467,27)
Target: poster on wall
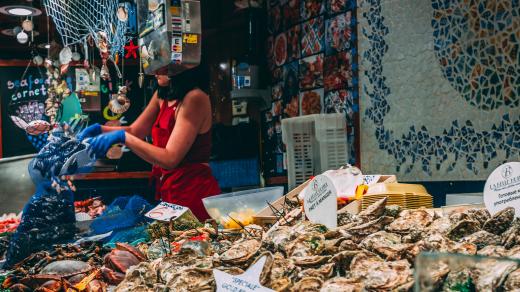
(311,72)
(280,49)
(293,43)
(291,13)
(336,6)
(340,101)
(290,81)
(337,71)
(311,102)
(274,20)
(312,8)
(312,37)
(338,33)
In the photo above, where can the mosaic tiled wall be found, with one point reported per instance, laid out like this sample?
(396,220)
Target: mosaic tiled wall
(440,87)
(312,58)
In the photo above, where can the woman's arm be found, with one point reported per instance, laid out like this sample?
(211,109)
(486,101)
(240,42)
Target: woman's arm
(190,118)
(142,126)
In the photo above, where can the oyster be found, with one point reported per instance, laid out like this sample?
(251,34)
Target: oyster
(343,260)
(342,285)
(241,252)
(324,272)
(283,284)
(140,277)
(489,275)
(482,239)
(373,211)
(386,244)
(310,261)
(409,220)
(345,217)
(276,269)
(511,236)
(277,238)
(493,251)
(393,210)
(308,284)
(463,228)
(348,245)
(435,275)
(513,281)
(332,245)
(308,244)
(192,279)
(361,231)
(440,225)
(378,274)
(479,214)
(500,222)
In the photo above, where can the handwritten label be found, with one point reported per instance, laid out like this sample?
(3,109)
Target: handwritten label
(166,211)
(371,179)
(502,188)
(320,201)
(246,282)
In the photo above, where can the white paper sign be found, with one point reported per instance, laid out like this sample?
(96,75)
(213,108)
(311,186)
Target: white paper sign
(502,188)
(371,179)
(320,202)
(246,282)
(165,211)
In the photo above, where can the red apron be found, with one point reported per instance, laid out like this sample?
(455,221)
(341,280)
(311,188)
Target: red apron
(189,182)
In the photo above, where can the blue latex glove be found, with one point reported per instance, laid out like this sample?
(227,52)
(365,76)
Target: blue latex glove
(99,145)
(90,131)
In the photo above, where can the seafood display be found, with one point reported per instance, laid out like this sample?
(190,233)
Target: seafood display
(311,102)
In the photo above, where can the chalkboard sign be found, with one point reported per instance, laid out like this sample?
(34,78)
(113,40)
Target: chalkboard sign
(16,92)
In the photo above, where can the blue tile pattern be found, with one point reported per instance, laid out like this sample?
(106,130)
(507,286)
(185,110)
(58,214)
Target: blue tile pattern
(461,143)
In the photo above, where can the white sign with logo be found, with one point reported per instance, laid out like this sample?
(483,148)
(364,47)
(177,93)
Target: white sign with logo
(502,188)
(166,211)
(320,202)
(246,282)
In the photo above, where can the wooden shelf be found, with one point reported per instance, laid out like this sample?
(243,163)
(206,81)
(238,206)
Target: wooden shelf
(112,175)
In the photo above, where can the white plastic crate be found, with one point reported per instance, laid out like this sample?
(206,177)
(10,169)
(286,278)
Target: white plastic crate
(315,143)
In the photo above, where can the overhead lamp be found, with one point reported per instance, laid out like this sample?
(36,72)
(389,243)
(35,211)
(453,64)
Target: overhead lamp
(20,10)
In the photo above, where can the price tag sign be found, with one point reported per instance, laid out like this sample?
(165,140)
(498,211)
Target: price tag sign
(166,211)
(502,188)
(246,282)
(320,202)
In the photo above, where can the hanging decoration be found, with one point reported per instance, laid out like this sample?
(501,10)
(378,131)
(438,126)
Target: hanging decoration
(131,50)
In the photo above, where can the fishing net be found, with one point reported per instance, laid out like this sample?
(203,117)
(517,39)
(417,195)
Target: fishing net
(75,20)
(48,218)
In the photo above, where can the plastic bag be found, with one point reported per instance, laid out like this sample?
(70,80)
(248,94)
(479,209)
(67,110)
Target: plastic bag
(48,218)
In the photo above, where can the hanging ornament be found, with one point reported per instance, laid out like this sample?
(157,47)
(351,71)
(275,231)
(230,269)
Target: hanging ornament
(102,42)
(86,64)
(65,56)
(38,60)
(75,56)
(22,37)
(122,12)
(27,25)
(119,102)
(131,50)
(105,73)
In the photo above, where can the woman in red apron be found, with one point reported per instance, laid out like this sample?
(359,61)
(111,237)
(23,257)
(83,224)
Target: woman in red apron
(179,119)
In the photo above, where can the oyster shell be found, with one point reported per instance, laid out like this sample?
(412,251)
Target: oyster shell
(308,244)
(459,280)
(241,252)
(489,275)
(277,238)
(192,279)
(373,211)
(340,284)
(463,228)
(378,274)
(345,217)
(310,261)
(482,239)
(361,231)
(436,274)
(282,285)
(440,225)
(386,244)
(308,284)
(479,214)
(493,251)
(277,268)
(409,220)
(138,277)
(324,272)
(500,222)
(393,210)
(512,282)
(511,236)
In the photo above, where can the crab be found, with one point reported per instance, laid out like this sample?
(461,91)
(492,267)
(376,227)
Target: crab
(119,260)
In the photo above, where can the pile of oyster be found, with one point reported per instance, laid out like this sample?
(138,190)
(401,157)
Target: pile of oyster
(372,251)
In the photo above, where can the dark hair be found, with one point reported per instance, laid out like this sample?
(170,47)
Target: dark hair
(185,82)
